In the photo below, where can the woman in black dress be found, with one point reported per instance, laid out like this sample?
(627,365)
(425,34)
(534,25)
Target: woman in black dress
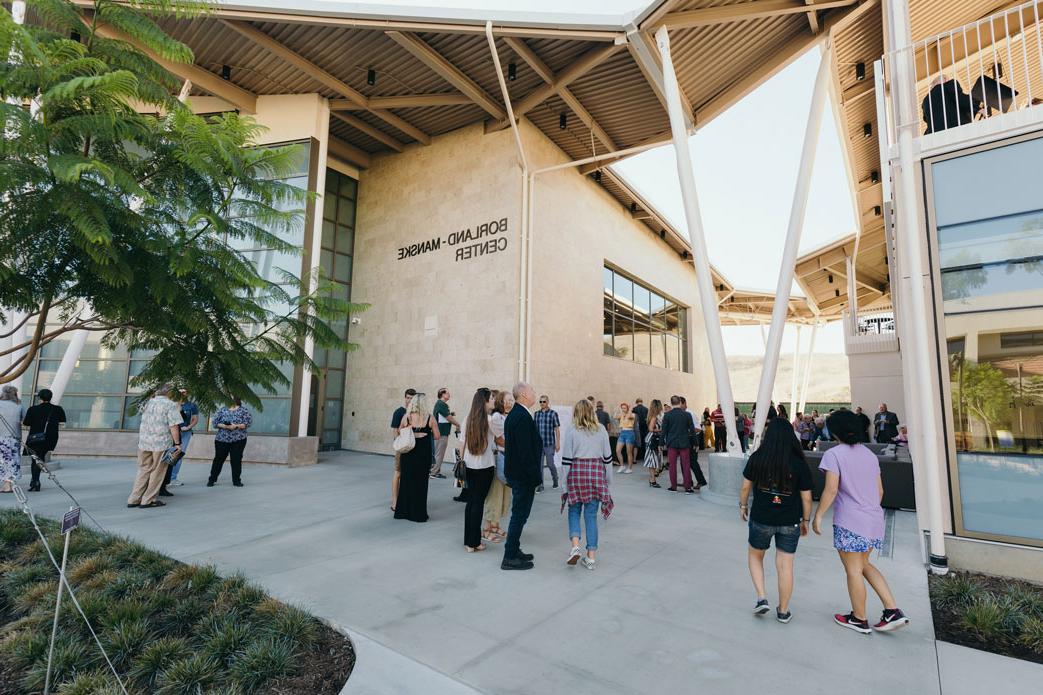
(416,463)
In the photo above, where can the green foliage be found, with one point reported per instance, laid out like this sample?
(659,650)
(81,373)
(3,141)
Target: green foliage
(955,590)
(124,640)
(186,631)
(1032,634)
(265,659)
(983,391)
(1026,598)
(188,676)
(138,218)
(156,657)
(224,636)
(71,658)
(985,618)
(98,682)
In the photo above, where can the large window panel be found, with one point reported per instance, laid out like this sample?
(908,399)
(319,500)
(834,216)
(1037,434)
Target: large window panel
(89,376)
(640,324)
(93,412)
(988,221)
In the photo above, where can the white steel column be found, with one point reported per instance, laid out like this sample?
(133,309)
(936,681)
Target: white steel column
(789,253)
(68,363)
(707,295)
(17,338)
(807,371)
(793,400)
(916,340)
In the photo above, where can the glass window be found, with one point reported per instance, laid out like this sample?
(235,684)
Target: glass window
(348,187)
(335,383)
(345,239)
(93,412)
(332,413)
(274,419)
(342,268)
(329,234)
(346,212)
(641,324)
(89,376)
(990,254)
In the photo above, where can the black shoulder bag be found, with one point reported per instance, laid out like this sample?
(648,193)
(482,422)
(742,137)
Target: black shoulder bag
(40,438)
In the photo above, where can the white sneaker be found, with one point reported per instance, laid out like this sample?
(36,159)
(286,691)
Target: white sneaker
(574,556)
(175,483)
(588,563)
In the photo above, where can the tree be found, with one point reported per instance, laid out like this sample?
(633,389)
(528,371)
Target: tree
(986,393)
(128,223)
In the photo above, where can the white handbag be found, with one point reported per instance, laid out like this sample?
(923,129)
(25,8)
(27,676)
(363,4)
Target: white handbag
(405,441)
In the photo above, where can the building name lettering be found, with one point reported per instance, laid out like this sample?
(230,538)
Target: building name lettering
(481,240)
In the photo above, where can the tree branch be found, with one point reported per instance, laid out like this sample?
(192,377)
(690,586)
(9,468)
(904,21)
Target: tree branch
(22,364)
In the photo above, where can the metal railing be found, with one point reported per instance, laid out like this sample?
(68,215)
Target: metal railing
(978,71)
(874,321)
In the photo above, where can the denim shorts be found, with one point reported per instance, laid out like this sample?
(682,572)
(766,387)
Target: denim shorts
(627,437)
(786,537)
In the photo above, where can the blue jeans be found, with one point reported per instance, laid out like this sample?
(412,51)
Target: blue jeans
(186,437)
(521,505)
(590,521)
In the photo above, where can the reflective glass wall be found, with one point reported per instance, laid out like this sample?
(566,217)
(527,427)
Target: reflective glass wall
(642,325)
(988,226)
(99,395)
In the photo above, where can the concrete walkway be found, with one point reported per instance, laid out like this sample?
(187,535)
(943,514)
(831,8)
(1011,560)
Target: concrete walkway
(666,611)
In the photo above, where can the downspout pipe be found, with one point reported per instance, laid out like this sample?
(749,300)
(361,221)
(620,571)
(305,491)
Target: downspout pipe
(525,231)
(914,282)
(693,217)
(789,253)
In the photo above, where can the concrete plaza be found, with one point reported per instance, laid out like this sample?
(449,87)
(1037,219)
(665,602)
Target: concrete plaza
(666,611)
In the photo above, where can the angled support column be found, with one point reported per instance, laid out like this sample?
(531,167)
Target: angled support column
(807,371)
(793,400)
(707,295)
(917,345)
(68,363)
(789,253)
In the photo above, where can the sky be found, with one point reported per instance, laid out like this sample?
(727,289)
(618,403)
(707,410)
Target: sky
(746,164)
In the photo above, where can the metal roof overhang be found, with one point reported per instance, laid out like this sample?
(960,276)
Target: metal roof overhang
(434,72)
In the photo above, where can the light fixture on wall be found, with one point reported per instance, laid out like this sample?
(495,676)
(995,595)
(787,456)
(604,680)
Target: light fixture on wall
(860,71)
(684,255)
(876,210)
(830,278)
(867,130)
(226,72)
(874,176)
(597,175)
(836,293)
(633,207)
(512,72)
(562,120)
(662,233)
(371,77)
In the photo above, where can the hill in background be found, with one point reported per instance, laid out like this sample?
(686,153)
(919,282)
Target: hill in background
(829,383)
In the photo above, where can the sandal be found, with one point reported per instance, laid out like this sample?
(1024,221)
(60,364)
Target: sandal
(478,549)
(154,503)
(491,537)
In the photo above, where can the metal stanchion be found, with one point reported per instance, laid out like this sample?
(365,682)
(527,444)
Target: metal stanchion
(69,522)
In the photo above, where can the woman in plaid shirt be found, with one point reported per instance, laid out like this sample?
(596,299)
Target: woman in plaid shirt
(587,453)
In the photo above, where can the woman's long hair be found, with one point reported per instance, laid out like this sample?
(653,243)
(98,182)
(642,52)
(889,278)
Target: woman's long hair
(780,411)
(583,417)
(477,425)
(770,463)
(500,402)
(654,411)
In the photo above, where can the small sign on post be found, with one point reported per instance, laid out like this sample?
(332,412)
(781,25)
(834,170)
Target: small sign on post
(71,520)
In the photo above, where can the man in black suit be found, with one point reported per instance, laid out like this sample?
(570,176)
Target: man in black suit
(885,425)
(641,415)
(521,466)
(864,422)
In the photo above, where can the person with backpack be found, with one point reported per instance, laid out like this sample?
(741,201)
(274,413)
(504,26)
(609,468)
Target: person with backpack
(42,420)
(854,489)
(778,476)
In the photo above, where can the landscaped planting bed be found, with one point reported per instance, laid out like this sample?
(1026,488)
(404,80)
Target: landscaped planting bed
(167,627)
(1003,616)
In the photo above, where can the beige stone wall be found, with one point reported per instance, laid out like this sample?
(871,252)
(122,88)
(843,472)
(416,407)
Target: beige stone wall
(435,320)
(439,321)
(577,228)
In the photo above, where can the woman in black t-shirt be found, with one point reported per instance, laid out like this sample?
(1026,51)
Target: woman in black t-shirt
(779,477)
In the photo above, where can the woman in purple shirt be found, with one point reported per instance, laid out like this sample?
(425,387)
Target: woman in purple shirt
(854,486)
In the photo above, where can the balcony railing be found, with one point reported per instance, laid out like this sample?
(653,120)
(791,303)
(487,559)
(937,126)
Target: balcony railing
(979,71)
(871,330)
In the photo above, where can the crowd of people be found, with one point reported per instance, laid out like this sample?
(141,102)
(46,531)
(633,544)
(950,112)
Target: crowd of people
(509,438)
(167,422)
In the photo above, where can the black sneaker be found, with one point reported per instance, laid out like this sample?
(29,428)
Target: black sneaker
(762,607)
(210,483)
(891,620)
(852,623)
(165,493)
(783,617)
(690,491)
(528,557)
(516,564)
(539,489)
